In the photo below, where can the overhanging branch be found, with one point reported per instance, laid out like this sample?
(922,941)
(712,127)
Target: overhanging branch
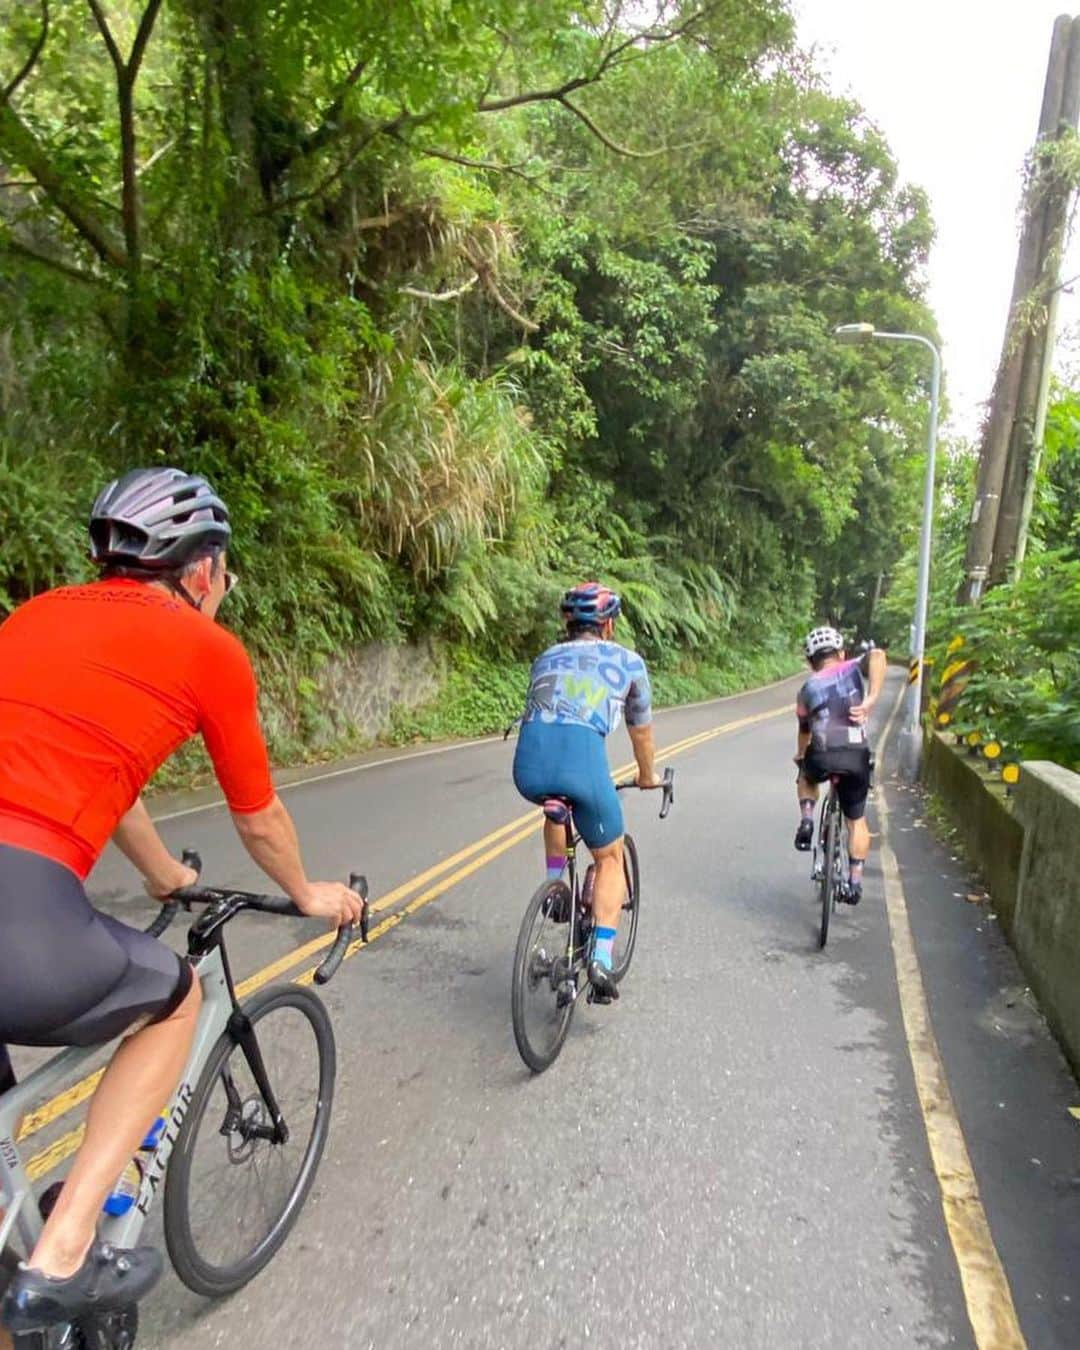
(14,245)
(440,296)
(107,36)
(32,60)
(605,139)
(22,147)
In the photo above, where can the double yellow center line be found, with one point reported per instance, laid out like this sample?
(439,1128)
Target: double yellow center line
(442,876)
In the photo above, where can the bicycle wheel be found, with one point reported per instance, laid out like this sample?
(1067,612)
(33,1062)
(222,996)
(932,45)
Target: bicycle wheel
(623,952)
(543,976)
(231,1193)
(828,841)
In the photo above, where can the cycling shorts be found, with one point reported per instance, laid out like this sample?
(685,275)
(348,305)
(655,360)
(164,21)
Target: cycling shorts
(70,975)
(555,759)
(852,766)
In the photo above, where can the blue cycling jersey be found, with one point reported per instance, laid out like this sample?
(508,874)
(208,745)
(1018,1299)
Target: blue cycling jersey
(588,683)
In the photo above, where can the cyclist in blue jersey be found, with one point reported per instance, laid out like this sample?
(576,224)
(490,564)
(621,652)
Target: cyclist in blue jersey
(833,708)
(578,692)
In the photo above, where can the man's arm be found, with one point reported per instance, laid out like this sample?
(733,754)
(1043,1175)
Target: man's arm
(641,738)
(230,726)
(876,665)
(270,837)
(137,839)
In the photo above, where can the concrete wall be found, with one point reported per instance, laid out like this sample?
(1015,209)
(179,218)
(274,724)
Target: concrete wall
(991,834)
(1046,923)
(1028,851)
(356,693)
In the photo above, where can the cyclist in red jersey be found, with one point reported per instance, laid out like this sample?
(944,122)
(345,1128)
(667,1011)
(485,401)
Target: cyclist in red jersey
(99,684)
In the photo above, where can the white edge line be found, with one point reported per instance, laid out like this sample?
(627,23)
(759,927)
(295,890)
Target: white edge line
(443,750)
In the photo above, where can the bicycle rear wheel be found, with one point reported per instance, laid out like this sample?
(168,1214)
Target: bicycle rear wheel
(626,938)
(541,1004)
(231,1193)
(829,844)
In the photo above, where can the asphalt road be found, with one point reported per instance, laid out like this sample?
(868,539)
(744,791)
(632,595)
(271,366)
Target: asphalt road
(733,1155)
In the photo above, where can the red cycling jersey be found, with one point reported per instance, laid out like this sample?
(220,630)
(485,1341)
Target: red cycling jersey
(99,684)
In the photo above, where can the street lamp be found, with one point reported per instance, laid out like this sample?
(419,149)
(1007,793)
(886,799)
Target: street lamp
(911,737)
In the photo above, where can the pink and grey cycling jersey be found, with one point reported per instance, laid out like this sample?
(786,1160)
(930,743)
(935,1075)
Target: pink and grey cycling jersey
(825,702)
(589,683)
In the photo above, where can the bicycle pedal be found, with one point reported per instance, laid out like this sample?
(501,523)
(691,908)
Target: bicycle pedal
(594,996)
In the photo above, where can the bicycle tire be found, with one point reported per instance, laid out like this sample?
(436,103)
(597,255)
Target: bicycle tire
(827,835)
(623,953)
(201,1273)
(528,979)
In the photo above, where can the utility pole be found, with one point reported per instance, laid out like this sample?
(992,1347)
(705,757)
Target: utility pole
(997,433)
(1025,444)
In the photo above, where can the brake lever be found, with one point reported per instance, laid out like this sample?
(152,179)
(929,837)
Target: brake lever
(171,908)
(669,791)
(345,933)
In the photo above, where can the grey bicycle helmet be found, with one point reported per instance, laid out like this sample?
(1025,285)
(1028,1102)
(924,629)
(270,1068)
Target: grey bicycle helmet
(822,640)
(156,519)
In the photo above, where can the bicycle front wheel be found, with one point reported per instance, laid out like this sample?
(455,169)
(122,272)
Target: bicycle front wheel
(626,938)
(233,1191)
(543,988)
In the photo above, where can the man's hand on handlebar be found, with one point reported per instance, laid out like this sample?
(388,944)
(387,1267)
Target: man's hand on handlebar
(646,784)
(160,887)
(332,901)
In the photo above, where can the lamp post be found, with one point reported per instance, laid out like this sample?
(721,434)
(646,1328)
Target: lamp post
(911,737)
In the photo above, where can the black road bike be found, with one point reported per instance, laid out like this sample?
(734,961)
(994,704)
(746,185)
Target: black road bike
(830,867)
(554,940)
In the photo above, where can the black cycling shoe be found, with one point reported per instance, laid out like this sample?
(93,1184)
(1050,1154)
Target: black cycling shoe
(604,988)
(852,892)
(804,836)
(557,905)
(109,1278)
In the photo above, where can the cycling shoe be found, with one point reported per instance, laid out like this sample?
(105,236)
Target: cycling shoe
(110,1277)
(604,988)
(852,893)
(804,836)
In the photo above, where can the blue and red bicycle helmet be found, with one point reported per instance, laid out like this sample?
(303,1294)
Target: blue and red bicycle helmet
(589,604)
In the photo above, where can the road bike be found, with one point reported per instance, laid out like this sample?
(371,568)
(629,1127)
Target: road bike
(830,861)
(552,951)
(831,865)
(244,1132)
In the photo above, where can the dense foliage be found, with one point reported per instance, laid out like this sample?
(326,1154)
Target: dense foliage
(457,302)
(1023,639)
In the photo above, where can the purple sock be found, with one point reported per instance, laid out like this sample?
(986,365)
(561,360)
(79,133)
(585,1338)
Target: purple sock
(555,864)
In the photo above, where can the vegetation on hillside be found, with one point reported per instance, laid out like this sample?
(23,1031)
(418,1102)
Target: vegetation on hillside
(1023,639)
(455,303)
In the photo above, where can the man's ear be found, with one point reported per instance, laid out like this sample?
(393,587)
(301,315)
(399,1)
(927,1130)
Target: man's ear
(203,576)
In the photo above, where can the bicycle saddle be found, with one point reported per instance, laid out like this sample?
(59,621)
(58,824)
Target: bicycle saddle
(557,809)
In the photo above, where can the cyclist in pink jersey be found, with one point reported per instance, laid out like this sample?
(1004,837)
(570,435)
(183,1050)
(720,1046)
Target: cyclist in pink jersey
(833,708)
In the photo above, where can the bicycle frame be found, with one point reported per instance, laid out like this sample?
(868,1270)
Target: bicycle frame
(220,1012)
(581,896)
(17,1200)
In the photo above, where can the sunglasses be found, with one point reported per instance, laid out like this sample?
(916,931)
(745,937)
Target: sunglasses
(231,580)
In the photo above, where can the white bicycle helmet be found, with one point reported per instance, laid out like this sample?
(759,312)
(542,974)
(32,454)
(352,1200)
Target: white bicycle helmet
(822,640)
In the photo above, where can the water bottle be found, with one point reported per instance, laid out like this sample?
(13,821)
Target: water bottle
(126,1191)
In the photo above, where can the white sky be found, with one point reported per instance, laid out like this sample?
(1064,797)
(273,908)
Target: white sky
(956,87)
